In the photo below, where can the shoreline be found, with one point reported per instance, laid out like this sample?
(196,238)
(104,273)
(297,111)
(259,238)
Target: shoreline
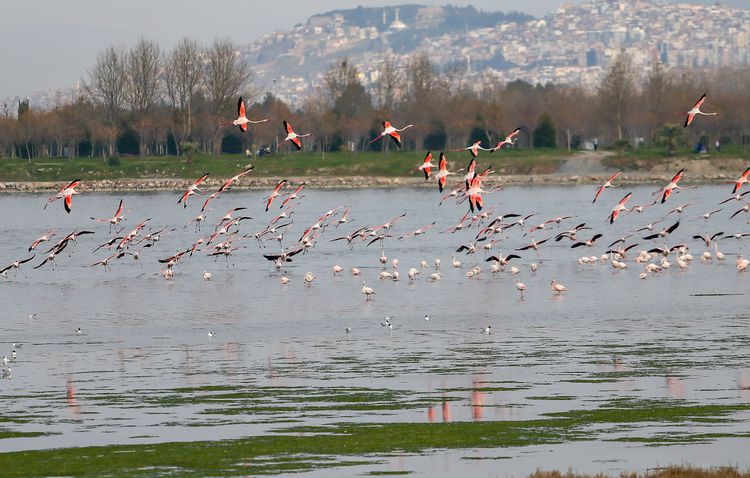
(352,182)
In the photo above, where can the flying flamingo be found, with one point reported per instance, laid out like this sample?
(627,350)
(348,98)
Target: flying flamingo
(294,137)
(509,140)
(426,166)
(192,190)
(474,148)
(666,191)
(242,120)
(15,265)
(606,185)
(389,130)
(211,197)
(46,237)
(115,220)
(742,180)
(443,172)
(619,208)
(66,193)
(696,110)
(274,194)
(233,179)
(293,196)
(474,192)
(470,171)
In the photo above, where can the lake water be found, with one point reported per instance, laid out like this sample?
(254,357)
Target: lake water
(143,368)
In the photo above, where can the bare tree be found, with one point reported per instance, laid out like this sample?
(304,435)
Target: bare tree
(144,86)
(106,87)
(388,86)
(183,76)
(616,93)
(226,74)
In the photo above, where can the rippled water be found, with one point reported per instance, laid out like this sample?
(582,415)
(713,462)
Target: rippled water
(144,369)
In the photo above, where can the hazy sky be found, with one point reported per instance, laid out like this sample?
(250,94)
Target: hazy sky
(47,44)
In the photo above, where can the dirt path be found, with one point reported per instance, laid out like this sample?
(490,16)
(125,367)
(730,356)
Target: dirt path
(586,163)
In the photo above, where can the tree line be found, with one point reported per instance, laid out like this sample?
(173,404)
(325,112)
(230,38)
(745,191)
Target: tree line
(145,101)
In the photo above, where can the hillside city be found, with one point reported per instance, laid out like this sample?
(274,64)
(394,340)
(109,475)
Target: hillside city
(573,45)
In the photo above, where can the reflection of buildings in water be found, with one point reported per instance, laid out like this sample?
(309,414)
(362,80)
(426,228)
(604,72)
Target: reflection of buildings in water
(743,384)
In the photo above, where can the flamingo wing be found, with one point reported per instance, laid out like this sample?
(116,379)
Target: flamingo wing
(201,179)
(119,209)
(288,127)
(68,202)
(396,138)
(598,192)
(699,103)
(297,143)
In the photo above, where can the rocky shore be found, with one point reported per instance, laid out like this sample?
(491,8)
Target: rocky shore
(351,182)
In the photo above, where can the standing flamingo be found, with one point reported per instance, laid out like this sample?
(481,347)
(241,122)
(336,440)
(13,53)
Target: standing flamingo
(389,130)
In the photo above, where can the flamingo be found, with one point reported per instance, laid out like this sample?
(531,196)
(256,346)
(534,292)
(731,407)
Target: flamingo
(210,198)
(666,191)
(242,120)
(292,136)
(229,182)
(391,131)
(15,265)
(520,287)
(509,140)
(619,208)
(443,172)
(708,239)
(696,110)
(274,194)
(66,194)
(736,197)
(474,192)
(115,220)
(46,237)
(745,209)
(343,219)
(294,195)
(557,287)
(426,166)
(192,190)
(607,184)
(663,233)
(742,180)
(707,216)
(534,244)
(367,291)
(503,261)
(474,149)
(588,243)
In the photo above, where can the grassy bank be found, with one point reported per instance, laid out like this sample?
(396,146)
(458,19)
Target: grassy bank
(346,444)
(392,164)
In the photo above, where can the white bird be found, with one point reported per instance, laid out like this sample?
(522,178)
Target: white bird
(7,372)
(79,331)
(284,280)
(211,334)
(337,269)
(427,318)
(367,291)
(309,277)
(207,275)
(356,271)
(455,263)
(487,330)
